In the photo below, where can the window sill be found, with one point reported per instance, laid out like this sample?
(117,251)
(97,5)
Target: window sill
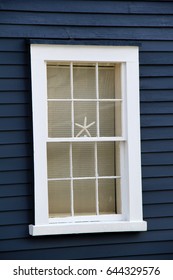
(87,227)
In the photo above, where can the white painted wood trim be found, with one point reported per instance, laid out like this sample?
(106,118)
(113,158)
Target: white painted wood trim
(86,218)
(133,142)
(78,53)
(87,228)
(39,110)
(86,139)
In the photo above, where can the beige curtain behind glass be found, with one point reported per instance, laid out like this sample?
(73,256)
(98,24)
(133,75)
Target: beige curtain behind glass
(65,166)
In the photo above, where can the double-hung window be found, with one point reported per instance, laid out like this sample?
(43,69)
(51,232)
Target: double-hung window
(87,170)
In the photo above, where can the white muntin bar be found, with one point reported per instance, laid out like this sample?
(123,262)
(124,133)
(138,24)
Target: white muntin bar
(96,174)
(71,181)
(84,178)
(97,98)
(84,100)
(72,102)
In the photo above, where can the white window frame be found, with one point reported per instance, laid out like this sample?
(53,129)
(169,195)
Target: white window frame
(131,218)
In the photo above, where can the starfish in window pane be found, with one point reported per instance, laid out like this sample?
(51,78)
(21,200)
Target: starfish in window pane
(84,128)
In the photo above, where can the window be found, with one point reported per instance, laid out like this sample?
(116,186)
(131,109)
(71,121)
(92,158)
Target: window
(87,170)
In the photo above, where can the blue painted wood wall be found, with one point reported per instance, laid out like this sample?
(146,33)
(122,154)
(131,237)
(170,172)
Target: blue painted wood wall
(86,22)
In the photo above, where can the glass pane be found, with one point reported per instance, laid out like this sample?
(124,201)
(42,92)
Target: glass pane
(85,119)
(110,118)
(118,80)
(106,82)
(118,196)
(118,119)
(108,158)
(59,119)
(83,160)
(107,196)
(84,81)
(84,197)
(58,160)
(59,199)
(58,81)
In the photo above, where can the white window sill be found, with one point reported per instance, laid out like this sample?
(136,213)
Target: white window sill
(87,227)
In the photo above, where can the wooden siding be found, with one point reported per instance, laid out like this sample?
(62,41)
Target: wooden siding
(149,23)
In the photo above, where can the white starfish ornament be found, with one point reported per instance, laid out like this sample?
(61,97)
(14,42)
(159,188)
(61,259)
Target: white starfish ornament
(84,128)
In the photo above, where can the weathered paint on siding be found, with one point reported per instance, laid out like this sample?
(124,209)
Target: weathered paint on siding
(86,22)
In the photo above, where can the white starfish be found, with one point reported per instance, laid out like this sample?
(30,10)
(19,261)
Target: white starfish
(84,128)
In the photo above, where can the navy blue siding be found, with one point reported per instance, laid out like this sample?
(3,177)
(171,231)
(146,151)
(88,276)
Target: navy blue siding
(148,23)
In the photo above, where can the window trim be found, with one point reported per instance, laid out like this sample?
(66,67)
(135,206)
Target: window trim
(132,197)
